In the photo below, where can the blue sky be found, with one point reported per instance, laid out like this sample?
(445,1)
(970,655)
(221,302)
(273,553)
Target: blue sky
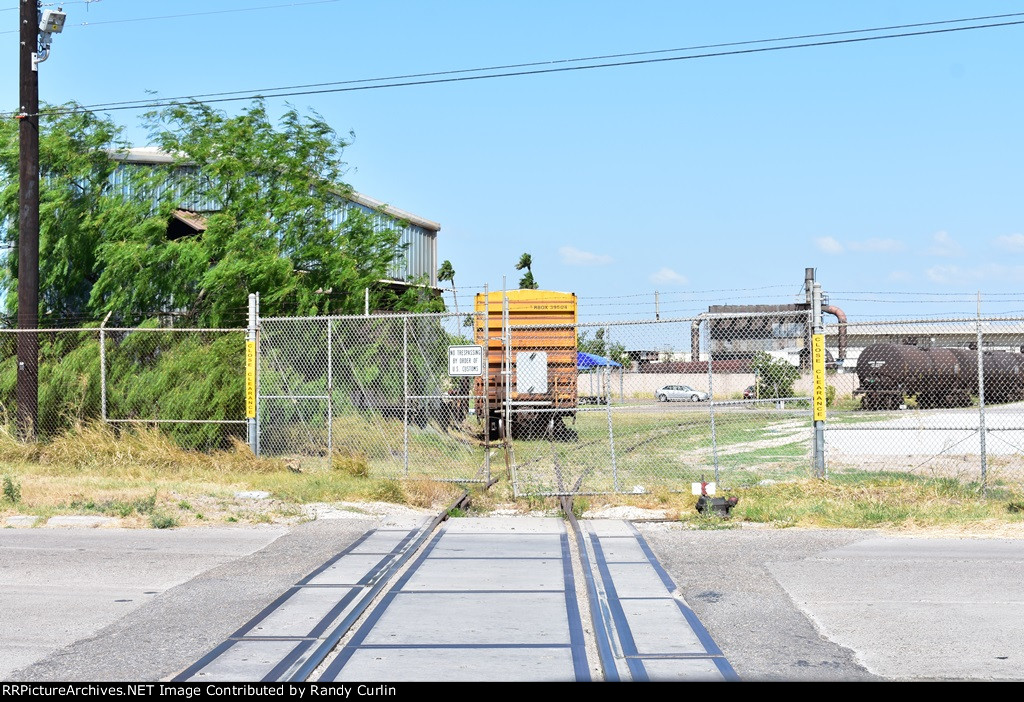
(893,167)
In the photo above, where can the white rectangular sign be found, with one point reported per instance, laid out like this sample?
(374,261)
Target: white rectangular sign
(532,372)
(465,360)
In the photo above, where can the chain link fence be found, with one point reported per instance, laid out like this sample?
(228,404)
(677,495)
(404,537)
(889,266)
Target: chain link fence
(186,381)
(371,395)
(69,379)
(939,398)
(648,406)
(597,407)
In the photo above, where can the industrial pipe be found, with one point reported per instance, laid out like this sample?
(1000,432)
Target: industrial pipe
(695,339)
(841,316)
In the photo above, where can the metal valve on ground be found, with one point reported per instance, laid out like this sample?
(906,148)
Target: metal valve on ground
(707,503)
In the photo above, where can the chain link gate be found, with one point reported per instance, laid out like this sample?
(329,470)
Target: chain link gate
(370,395)
(662,403)
(617,407)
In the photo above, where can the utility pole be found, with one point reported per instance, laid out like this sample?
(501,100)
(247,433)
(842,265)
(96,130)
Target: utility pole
(27,391)
(36,30)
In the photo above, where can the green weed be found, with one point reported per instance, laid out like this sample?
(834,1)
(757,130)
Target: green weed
(162,521)
(389,491)
(579,507)
(12,490)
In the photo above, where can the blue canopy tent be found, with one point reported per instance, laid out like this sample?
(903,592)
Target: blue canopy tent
(588,361)
(590,364)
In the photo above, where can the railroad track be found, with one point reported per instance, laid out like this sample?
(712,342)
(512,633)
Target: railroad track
(476,599)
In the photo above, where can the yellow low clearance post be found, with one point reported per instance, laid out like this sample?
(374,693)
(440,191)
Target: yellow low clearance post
(818,364)
(252,430)
(250,380)
(818,367)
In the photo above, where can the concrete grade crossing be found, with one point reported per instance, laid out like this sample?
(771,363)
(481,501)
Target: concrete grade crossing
(484,599)
(653,632)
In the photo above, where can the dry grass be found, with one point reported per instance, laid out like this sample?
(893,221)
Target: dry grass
(95,469)
(139,475)
(131,453)
(897,502)
(430,493)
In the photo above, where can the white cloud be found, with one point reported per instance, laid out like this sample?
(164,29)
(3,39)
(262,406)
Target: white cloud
(900,276)
(877,245)
(667,276)
(986,273)
(575,257)
(945,245)
(829,245)
(1014,243)
(945,274)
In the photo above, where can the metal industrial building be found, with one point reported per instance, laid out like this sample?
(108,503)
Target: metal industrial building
(419,235)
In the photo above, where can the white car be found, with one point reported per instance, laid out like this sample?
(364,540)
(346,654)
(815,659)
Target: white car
(679,392)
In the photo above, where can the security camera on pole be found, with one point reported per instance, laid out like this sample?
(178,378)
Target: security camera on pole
(36,29)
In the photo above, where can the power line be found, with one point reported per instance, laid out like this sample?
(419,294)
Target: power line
(561,61)
(897,292)
(52,4)
(186,14)
(964,300)
(294,91)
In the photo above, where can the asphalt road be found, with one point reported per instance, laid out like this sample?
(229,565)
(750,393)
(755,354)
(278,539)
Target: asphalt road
(65,614)
(782,604)
(797,604)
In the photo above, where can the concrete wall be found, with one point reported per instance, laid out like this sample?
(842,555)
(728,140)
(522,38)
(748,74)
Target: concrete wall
(844,383)
(726,385)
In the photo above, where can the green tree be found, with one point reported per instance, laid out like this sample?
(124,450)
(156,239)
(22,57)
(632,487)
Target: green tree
(447,272)
(775,377)
(278,227)
(78,210)
(526,282)
(598,345)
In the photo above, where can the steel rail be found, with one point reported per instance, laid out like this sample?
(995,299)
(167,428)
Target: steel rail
(604,646)
(345,625)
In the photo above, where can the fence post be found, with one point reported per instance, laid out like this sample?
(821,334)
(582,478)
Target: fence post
(330,398)
(487,380)
(507,379)
(981,400)
(250,377)
(611,432)
(103,367)
(259,376)
(711,403)
(405,386)
(818,369)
